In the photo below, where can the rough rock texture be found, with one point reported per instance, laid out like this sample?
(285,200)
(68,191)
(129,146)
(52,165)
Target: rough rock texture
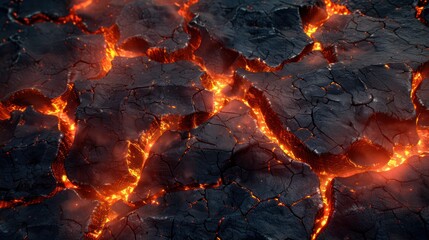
(51,8)
(359,40)
(223,178)
(328,110)
(383,8)
(64,216)
(422,96)
(252,27)
(132,98)
(425,14)
(136,29)
(29,144)
(7,26)
(46,56)
(390,205)
(101,13)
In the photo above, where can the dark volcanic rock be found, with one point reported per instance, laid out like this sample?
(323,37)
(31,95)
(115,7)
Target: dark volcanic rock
(330,109)
(29,144)
(207,153)
(7,26)
(138,32)
(230,212)
(46,56)
(223,178)
(381,8)
(422,96)
(362,41)
(268,31)
(64,216)
(51,8)
(390,205)
(309,63)
(101,13)
(425,14)
(135,95)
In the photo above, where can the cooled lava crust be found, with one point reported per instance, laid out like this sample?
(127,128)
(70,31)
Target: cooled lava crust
(214,119)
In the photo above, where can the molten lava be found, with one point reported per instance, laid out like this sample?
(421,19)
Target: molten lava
(331,9)
(320,223)
(110,38)
(81,5)
(317,46)
(419,9)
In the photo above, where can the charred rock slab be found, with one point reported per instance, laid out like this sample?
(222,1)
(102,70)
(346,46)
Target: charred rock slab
(336,114)
(267,31)
(422,95)
(132,99)
(425,14)
(100,13)
(7,25)
(137,33)
(360,41)
(46,56)
(383,8)
(390,205)
(64,216)
(50,8)
(223,178)
(29,143)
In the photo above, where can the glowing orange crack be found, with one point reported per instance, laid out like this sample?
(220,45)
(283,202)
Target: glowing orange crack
(110,38)
(419,9)
(399,157)
(184,9)
(58,106)
(417,80)
(320,223)
(81,5)
(317,46)
(66,125)
(331,9)
(109,33)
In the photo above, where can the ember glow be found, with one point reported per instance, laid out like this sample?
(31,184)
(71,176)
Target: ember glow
(419,9)
(81,5)
(331,9)
(142,118)
(110,38)
(57,108)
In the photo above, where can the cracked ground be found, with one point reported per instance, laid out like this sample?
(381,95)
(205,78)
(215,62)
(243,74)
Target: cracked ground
(214,119)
